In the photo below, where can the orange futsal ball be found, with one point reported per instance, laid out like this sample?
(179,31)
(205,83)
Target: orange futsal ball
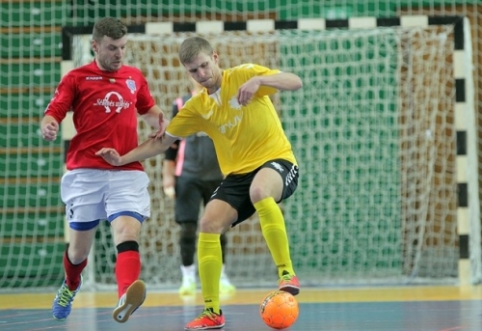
(279,310)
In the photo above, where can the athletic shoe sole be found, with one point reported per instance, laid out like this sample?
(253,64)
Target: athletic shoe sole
(290,289)
(135,296)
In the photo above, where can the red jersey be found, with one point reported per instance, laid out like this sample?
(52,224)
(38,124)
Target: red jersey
(105,106)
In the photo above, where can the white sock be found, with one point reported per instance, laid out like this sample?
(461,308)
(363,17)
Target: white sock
(188,271)
(223,272)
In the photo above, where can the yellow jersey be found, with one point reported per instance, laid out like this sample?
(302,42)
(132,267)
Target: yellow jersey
(245,137)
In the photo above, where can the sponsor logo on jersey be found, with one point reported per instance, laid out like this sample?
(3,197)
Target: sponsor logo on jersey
(93,78)
(233,102)
(113,101)
(232,123)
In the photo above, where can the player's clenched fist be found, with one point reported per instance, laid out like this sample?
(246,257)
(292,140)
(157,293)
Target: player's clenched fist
(110,155)
(50,130)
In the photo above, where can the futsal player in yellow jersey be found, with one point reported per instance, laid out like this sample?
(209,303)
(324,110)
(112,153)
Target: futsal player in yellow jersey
(235,110)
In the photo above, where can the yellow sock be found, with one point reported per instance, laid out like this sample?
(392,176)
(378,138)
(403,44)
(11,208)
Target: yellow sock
(274,232)
(210,264)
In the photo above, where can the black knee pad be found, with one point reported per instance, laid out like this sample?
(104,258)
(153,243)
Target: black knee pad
(188,230)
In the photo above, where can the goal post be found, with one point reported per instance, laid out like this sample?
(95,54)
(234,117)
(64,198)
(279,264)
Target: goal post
(384,132)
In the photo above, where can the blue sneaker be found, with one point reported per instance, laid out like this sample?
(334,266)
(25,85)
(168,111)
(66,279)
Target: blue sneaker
(63,301)
(130,301)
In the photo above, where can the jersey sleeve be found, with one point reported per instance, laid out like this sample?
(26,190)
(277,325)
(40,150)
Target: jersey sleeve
(62,99)
(187,121)
(145,101)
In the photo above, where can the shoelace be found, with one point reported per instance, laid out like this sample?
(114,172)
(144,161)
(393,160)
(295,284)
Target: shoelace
(65,296)
(207,313)
(286,277)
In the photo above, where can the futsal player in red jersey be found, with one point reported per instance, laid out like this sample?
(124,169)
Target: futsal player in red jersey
(105,97)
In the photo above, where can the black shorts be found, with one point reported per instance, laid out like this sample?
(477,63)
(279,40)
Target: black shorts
(190,192)
(234,189)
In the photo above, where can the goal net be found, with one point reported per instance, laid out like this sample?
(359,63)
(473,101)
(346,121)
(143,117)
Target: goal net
(374,131)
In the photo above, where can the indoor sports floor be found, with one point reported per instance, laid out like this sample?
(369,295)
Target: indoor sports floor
(436,308)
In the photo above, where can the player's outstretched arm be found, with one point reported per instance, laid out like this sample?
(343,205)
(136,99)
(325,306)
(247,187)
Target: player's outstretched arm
(283,81)
(144,151)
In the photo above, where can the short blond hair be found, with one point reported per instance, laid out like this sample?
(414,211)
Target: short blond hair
(192,47)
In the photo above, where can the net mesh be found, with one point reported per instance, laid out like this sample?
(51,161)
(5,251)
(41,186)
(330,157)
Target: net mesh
(31,227)
(375,138)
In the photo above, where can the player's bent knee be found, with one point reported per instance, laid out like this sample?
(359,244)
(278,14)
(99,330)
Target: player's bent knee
(214,226)
(126,226)
(258,193)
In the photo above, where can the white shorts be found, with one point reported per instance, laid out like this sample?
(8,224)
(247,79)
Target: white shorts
(92,194)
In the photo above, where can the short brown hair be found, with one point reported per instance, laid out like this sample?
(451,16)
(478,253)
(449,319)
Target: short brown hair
(110,27)
(192,47)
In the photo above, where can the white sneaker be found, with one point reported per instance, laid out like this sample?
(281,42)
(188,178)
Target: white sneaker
(188,286)
(225,285)
(130,301)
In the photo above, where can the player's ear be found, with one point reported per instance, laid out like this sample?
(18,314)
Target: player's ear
(215,57)
(94,46)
